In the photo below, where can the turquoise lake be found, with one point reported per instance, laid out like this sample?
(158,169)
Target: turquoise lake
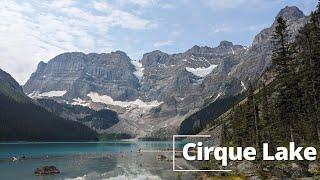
(89,160)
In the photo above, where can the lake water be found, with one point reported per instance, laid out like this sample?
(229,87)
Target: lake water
(89,160)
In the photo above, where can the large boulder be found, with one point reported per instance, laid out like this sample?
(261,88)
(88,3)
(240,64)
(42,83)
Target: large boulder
(314,168)
(47,170)
(247,168)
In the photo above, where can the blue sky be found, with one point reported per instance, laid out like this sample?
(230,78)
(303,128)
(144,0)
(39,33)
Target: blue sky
(33,31)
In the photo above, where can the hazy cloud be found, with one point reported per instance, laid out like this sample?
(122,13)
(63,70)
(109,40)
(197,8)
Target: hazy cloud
(227,4)
(163,43)
(30,33)
(141,3)
(221,28)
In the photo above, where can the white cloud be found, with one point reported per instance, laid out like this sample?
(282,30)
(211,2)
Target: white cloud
(226,4)
(141,3)
(101,6)
(256,27)
(163,43)
(61,4)
(167,6)
(147,3)
(221,28)
(30,33)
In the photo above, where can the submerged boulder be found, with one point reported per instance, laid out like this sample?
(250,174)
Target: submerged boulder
(161,157)
(47,170)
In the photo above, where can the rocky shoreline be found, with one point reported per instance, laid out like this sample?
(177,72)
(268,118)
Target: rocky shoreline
(264,170)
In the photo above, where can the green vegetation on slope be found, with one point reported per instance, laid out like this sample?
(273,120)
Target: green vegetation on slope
(30,122)
(22,120)
(199,120)
(286,110)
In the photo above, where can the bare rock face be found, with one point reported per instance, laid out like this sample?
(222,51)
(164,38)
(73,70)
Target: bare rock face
(78,74)
(162,89)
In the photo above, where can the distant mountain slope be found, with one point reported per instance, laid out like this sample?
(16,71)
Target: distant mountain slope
(11,88)
(22,120)
(6,79)
(199,120)
(98,120)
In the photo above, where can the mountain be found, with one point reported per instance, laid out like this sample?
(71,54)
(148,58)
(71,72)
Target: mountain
(77,74)
(22,119)
(161,90)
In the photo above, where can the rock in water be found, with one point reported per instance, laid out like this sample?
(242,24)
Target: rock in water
(47,170)
(161,157)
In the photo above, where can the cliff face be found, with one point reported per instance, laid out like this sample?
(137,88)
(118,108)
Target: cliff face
(77,74)
(160,90)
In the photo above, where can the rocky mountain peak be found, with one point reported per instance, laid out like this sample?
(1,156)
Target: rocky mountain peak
(70,56)
(295,17)
(154,58)
(226,43)
(199,50)
(291,13)
(195,48)
(41,66)
(120,54)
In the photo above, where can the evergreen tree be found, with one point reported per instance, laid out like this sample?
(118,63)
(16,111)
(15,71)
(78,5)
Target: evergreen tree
(265,116)
(281,54)
(239,126)
(251,118)
(282,58)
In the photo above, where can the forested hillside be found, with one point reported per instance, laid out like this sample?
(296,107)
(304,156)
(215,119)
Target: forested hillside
(22,120)
(286,110)
(199,120)
(98,120)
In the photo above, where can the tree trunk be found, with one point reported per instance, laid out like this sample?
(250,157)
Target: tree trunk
(256,123)
(291,133)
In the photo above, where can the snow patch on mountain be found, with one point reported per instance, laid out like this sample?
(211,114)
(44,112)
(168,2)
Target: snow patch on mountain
(232,51)
(80,102)
(217,97)
(49,94)
(243,86)
(105,99)
(139,69)
(201,71)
